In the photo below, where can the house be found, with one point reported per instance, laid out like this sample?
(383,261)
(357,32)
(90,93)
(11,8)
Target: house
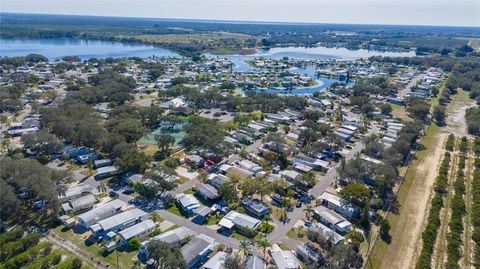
(176,237)
(131,178)
(216,262)
(254,262)
(255,207)
(79,204)
(250,166)
(138,230)
(328,233)
(234,170)
(74,192)
(284,259)
(340,205)
(316,164)
(107,171)
(118,222)
(289,175)
(217,180)
(207,192)
(308,254)
(197,250)
(101,212)
(102,163)
(195,161)
(187,203)
(201,214)
(20,132)
(235,220)
(332,219)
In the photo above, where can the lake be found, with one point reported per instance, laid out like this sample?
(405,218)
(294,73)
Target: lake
(85,49)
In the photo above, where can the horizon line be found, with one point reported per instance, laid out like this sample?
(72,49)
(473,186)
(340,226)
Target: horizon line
(243,21)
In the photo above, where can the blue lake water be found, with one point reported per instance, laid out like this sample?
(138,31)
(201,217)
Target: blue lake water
(85,49)
(57,48)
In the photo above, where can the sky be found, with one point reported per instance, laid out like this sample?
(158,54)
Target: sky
(399,12)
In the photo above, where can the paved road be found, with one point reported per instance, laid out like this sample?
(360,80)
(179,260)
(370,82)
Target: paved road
(279,234)
(408,88)
(228,241)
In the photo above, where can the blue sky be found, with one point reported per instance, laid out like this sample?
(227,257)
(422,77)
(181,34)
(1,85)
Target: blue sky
(412,12)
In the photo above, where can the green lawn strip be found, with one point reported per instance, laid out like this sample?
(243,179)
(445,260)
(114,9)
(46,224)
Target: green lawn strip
(124,257)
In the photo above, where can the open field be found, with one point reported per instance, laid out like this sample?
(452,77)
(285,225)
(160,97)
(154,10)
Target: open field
(413,204)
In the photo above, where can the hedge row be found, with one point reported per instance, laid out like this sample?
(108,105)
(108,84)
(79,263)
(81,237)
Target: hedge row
(450,143)
(429,236)
(476,207)
(12,248)
(454,238)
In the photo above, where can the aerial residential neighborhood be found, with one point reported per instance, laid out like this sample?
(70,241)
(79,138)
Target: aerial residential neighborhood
(223,145)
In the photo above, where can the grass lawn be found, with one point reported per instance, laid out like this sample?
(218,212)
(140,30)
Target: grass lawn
(175,210)
(213,220)
(401,113)
(124,257)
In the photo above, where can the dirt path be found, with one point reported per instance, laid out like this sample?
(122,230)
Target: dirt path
(69,246)
(467,236)
(439,252)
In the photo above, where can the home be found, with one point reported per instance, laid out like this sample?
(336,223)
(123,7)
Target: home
(20,132)
(101,212)
(236,220)
(255,207)
(201,214)
(216,180)
(284,259)
(102,163)
(217,261)
(254,262)
(328,233)
(332,219)
(195,161)
(138,230)
(74,192)
(235,171)
(289,175)
(250,166)
(118,222)
(207,192)
(187,203)
(176,237)
(107,171)
(132,178)
(309,254)
(197,250)
(340,205)
(78,204)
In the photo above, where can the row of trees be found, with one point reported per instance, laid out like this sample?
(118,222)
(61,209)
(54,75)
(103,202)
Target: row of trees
(429,236)
(472,117)
(476,205)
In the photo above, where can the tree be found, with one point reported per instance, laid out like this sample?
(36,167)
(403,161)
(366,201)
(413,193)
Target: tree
(308,211)
(385,108)
(356,193)
(306,180)
(134,243)
(76,263)
(166,257)
(131,128)
(232,262)
(133,161)
(384,226)
(42,142)
(439,114)
(102,187)
(264,244)
(164,141)
(419,109)
(229,192)
(245,248)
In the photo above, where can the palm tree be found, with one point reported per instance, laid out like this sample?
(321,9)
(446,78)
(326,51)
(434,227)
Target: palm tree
(308,211)
(244,248)
(102,187)
(264,244)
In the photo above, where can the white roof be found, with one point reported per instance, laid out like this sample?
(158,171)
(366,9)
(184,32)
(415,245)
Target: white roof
(173,236)
(284,259)
(101,212)
(217,261)
(121,218)
(136,229)
(188,201)
(242,219)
